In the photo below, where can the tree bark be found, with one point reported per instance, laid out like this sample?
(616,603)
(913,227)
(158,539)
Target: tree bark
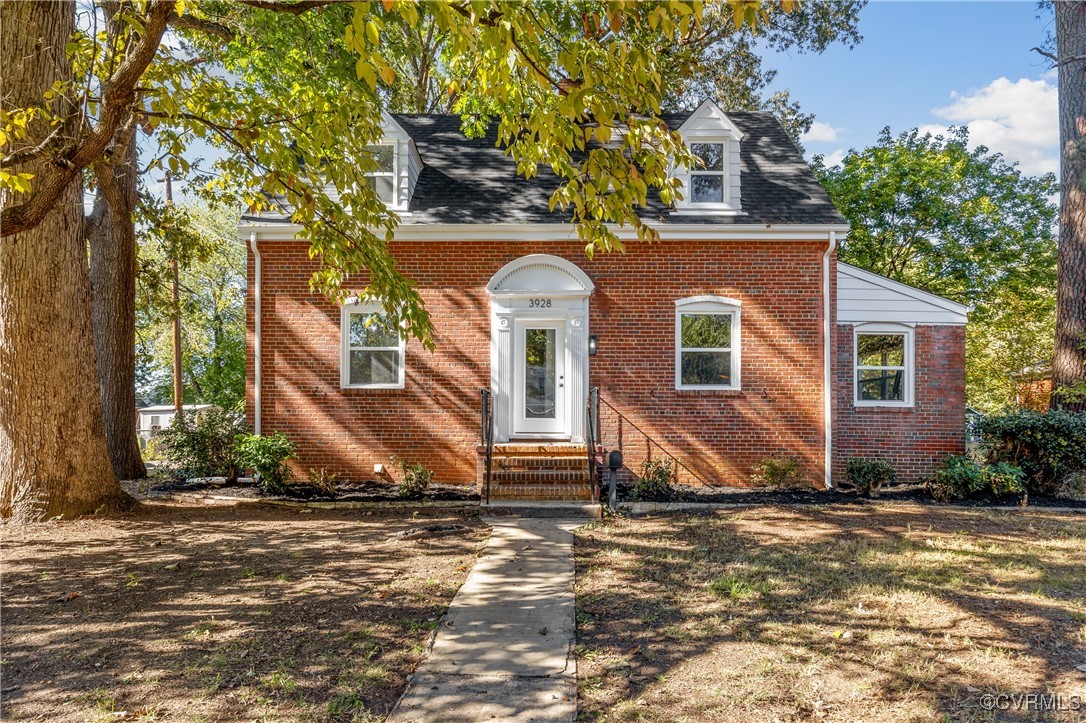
(111,232)
(1069,357)
(53,458)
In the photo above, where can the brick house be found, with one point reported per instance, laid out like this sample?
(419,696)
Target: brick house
(736,338)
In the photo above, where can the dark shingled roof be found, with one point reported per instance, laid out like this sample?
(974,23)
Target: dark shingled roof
(473,181)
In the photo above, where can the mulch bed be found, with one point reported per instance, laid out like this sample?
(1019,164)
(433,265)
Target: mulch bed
(789,496)
(345,492)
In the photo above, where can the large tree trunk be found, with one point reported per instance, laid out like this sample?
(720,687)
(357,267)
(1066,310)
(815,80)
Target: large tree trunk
(111,232)
(53,458)
(1069,358)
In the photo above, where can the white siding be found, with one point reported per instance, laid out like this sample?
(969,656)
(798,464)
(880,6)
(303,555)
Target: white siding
(865,297)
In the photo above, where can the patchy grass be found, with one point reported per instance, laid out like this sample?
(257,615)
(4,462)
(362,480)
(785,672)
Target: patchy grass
(222,613)
(902,613)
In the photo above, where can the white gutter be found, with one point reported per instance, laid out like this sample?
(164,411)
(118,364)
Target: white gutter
(827,379)
(505,232)
(257,381)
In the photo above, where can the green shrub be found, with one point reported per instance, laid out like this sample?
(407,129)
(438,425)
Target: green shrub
(656,479)
(201,445)
(777,472)
(1005,479)
(268,455)
(1047,446)
(325,483)
(869,475)
(416,478)
(961,477)
(1073,487)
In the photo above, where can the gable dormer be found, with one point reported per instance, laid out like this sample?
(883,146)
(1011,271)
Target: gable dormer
(398,165)
(712,187)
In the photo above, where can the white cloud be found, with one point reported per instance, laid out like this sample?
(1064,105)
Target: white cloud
(820,132)
(834,158)
(1016,118)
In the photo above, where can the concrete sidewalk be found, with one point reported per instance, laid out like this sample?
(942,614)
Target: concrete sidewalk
(504,651)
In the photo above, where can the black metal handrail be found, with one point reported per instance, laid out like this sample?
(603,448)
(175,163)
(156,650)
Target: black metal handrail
(622,418)
(592,433)
(486,429)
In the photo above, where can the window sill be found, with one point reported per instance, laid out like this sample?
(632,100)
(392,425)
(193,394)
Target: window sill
(371,386)
(708,210)
(708,388)
(883,405)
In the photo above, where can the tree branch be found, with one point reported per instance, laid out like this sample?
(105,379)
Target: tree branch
(294,8)
(208,27)
(116,106)
(1057,61)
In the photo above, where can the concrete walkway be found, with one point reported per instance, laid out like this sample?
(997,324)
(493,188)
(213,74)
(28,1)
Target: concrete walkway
(504,651)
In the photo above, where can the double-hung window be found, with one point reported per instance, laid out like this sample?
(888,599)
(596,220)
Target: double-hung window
(707,181)
(383,179)
(372,349)
(883,365)
(707,343)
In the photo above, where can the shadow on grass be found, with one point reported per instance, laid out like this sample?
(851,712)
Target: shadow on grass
(836,614)
(222,614)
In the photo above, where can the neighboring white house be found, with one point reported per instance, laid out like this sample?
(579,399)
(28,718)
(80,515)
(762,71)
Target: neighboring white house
(152,419)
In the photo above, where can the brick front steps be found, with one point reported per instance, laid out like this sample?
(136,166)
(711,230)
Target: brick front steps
(543,472)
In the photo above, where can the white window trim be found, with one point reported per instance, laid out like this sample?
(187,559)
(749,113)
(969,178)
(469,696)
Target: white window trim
(910,364)
(703,305)
(394,175)
(345,347)
(725,202)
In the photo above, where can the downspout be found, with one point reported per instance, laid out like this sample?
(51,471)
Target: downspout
(827,379)
(257,359)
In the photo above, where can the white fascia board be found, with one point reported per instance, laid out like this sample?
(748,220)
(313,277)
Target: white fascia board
(900,288)
(715,115)
(278,231)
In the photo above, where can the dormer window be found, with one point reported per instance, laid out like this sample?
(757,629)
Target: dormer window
(707,181)
(383,180)
(712,184)
(397,166)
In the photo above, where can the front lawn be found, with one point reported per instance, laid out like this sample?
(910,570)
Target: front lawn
(211,614)
(878,613)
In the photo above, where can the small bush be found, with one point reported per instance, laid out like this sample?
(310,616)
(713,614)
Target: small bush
(201,445)
(1073,487)
(777,472)
(268,455)
(869,475)
(325,483)
(656,479)
(1047,446)
(416,478)
(961,477)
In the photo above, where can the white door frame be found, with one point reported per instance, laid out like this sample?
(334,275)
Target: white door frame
(542,288)
(557,427)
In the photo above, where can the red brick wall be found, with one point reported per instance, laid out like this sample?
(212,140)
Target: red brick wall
(914,439)
(717,435)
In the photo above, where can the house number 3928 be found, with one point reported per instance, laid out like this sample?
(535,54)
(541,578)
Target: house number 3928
(539,303)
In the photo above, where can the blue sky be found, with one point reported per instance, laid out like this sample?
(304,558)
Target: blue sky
(933,64)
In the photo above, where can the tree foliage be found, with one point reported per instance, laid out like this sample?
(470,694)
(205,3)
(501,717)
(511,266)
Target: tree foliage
(211,263)
(928,211)
(728,63)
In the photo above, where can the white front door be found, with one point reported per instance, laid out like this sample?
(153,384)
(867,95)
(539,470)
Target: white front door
(540,391)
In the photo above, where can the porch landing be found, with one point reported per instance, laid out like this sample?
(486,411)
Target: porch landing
(539,471)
